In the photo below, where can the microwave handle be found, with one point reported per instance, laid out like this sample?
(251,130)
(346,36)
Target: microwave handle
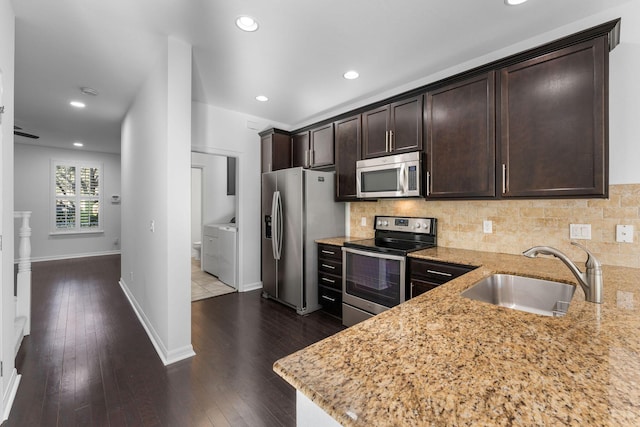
(404,178)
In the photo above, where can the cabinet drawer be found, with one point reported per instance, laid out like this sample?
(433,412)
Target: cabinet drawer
(329,251)
(439,272)
(330,280)
(331,300)
(330,266)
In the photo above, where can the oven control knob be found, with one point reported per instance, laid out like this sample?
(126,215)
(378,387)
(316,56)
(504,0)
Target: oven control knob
(417,225)
(424,226)
(379,222)
(385,223)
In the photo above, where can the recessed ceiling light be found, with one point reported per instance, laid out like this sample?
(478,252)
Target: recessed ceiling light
(78,144)
(350,75)
(77,104)
(513,2)
(247,23)
(262,98)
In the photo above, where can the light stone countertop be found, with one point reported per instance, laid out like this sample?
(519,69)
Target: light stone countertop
(441,359)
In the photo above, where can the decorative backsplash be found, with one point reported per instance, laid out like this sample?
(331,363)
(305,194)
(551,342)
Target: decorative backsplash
(520,224)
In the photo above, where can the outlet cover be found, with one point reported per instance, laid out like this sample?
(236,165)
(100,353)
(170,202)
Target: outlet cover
(487,227)
(580,231)
(363,221)
(624,233)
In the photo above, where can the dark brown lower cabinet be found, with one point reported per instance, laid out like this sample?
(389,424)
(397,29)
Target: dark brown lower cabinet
(330,279)
(425,275)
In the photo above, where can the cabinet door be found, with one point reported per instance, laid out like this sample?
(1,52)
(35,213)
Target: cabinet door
(375,139)
(322,148)
(266,153)
(553,123)
(300,150)
(275,149)
(406,125)
(459,125)
(347,154)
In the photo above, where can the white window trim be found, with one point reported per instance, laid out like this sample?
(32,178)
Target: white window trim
(52,194)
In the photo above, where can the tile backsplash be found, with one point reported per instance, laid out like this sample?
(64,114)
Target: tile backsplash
(520,224)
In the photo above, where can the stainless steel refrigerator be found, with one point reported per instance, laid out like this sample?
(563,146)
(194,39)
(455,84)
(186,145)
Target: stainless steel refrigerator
(298,207)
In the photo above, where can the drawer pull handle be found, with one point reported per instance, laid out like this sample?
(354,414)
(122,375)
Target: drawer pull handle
(328,252)
(328,280)
(441,273)
(329,298)
(331,267)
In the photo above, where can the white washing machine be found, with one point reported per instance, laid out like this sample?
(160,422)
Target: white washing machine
(219,247)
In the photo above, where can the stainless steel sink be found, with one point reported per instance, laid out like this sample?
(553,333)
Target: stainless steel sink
(523,293)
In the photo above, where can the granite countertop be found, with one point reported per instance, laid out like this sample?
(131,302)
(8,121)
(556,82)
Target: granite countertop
(441,359)
(338,241)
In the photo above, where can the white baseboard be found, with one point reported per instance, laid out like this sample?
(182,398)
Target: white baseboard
(72,256)
(250,287)
(167,357)
(10,395)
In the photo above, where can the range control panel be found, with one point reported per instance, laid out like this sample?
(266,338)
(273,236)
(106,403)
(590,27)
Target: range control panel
(407,224)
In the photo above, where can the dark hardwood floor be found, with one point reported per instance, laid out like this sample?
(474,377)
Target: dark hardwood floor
(88,361)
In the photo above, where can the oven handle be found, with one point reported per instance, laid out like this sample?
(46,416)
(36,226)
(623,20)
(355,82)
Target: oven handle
(373,254)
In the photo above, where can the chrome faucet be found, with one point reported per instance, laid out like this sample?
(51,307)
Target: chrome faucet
(590,280)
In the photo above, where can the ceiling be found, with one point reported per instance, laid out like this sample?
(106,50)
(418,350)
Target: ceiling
(296,58)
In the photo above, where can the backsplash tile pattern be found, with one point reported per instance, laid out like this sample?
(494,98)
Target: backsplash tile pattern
(520,224)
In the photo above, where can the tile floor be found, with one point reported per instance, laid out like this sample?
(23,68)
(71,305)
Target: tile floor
(205,285)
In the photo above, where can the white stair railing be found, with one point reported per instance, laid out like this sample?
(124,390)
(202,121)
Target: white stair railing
(23,281)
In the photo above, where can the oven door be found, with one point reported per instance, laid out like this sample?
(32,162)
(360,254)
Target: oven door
(372,281)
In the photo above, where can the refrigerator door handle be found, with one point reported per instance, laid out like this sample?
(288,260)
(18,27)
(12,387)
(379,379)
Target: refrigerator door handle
(280,224)
(274,219)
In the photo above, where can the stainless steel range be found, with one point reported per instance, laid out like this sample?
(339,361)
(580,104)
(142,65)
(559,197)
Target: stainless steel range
(374,270)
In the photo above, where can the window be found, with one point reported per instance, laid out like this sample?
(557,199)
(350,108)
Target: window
(77,197)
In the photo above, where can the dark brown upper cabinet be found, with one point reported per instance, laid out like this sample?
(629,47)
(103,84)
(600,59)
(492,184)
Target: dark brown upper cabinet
(300,150)
(392,128)
(275,146)
(313,148)
(460,138)
(348,142)
(322,146)
(553,123)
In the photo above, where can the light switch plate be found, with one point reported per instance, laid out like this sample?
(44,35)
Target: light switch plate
(363,221)
(624,233)
(580,231)
(487,227)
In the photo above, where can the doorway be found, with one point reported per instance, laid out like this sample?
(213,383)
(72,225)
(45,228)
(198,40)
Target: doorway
(213,225)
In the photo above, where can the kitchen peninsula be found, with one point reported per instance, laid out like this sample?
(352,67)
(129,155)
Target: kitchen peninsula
(441,359)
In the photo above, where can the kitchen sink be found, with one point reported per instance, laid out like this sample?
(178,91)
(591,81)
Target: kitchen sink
(523,293)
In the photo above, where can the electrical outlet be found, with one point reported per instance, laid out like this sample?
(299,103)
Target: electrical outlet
(624,233)
(152,226)
(487,227)
(580,231)
(363,221)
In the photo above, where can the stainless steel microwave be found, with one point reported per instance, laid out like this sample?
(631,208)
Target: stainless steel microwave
(399,175)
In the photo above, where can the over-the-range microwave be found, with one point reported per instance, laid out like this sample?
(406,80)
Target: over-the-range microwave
(398,175)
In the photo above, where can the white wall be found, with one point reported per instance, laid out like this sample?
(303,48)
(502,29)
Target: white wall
(9,380)
(219,131)
(32,184)
(196,206)
(156,271)
(217,207)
